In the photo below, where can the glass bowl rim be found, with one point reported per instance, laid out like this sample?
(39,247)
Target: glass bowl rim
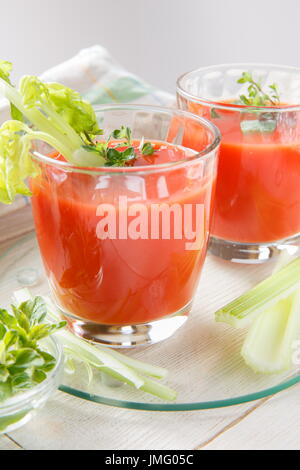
(180,89)
(206,153)
(21,399)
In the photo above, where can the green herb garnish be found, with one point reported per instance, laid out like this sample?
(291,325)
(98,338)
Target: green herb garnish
(117,158)
(256,95)
(214,114)
(114,156)
(147,149)
(123,133)
(23,364)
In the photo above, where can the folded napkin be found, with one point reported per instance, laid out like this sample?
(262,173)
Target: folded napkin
(100,79)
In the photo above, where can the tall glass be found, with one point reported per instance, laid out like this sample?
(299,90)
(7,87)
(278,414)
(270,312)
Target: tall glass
(258,187)
(123,247)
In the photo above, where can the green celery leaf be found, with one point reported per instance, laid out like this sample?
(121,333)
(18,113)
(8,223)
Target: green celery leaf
(16,164)
(64,101)
(5,69)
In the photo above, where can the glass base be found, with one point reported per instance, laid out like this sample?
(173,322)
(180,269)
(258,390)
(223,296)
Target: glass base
(128,336)
(252,253)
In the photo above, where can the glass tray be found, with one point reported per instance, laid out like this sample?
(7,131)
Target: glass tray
(203,358)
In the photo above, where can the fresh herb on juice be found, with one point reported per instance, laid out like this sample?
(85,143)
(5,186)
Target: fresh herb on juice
(147,149)
(214,114)
(23,363)
(256,95)
(115,157)
(122,153)
(58,116)
(123,133)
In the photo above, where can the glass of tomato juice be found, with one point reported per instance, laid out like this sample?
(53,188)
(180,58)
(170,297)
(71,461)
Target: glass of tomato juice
(123,246)
(257,208)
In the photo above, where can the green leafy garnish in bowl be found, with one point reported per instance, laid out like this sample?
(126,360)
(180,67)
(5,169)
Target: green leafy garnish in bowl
(23,362)
(123,368)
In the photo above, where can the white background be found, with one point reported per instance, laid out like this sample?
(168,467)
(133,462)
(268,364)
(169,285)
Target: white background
(157,39)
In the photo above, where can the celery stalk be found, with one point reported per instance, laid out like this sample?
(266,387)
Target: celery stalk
(269,344)
(243,310)
(138,366)
(158,389)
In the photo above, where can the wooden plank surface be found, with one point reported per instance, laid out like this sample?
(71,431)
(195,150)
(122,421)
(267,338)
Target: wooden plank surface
(6,443)
(273,426)
(69,423)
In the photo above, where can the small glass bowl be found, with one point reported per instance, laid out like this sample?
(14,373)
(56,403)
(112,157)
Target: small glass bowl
(19,409)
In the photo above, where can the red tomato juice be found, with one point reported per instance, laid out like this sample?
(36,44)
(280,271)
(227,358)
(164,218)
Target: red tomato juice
(119,281)
(258,184)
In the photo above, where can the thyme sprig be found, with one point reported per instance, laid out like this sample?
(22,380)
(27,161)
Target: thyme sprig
(256,95)
(116,157)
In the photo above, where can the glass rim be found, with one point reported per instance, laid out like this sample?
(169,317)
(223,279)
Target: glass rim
(184,406)
(148,169)
(20,399)
(180,89)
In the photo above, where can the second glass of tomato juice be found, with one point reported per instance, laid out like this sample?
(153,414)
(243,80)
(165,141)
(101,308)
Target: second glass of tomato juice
(123,246)
(257,109)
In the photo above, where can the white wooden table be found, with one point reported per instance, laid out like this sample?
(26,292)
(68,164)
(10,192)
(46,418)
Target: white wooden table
(70,423)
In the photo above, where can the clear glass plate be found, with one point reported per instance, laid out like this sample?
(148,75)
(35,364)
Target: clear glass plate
(203,358)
